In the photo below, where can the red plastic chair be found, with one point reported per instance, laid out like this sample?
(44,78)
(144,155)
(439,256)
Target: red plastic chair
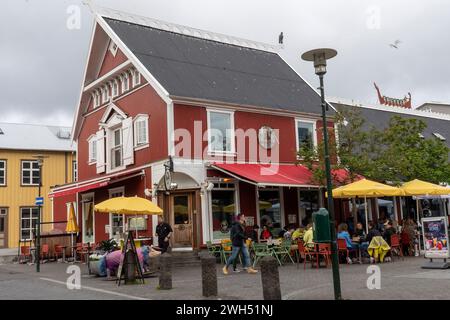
(396,246)
(45,251)
(306,253)
(58,251)
(342,247)
(325,251)
(25,254)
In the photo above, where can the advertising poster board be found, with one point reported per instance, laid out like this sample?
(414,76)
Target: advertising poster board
(435,237)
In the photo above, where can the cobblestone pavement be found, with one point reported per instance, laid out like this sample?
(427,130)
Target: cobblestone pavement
(402,279)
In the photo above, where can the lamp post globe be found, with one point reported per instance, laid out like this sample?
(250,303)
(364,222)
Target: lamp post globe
(319,57)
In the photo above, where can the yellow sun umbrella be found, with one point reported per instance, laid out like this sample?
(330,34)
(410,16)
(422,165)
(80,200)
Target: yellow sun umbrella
(366,188)
(422,188)
(418,188)
(128,206)
(72,225)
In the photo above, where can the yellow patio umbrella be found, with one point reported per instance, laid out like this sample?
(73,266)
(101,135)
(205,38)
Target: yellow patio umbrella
(128,206)
(72,225)
(420,188)
(366,188)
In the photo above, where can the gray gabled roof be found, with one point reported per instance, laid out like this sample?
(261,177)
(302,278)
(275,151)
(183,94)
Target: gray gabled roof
(15,136)
(380,118)
(197,68)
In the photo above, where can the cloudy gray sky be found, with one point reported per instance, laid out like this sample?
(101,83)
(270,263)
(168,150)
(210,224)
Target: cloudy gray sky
(42,61)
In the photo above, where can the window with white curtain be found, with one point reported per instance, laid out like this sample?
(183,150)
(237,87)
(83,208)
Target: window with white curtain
(141,130)
(92,142)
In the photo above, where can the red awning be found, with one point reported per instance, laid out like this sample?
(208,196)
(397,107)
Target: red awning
(78,188)
(94,184)
(287,175)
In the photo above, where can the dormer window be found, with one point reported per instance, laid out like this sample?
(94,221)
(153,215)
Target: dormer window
(105,94)
(113,48)
(114,88)
(136,77)
(439,136)
(125,82)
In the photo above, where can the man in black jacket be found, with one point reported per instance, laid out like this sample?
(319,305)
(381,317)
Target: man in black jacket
(237,236)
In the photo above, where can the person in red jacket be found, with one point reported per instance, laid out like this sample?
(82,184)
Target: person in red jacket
(265,233)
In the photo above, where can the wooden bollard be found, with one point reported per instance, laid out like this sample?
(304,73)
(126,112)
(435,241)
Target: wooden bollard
(165,272)
(270,278)
(209,275)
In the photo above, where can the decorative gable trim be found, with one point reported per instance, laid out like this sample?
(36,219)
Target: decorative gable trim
(112,108)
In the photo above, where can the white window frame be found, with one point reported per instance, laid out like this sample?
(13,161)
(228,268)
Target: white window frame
(74,170)
(112,146)
(281,197)
(30,229)
(31,172)
(92,157)
(105,94)
(5,171)
(232,129)
(125,81)
(314,135)
(111,192)
(140,144)
(113,48)
(237,208)
(136,77)
(114,88)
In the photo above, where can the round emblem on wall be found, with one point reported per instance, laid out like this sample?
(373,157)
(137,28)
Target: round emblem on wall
(267,137)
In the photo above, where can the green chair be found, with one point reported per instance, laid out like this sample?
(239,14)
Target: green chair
(261,250)
(214,250)
(283,251)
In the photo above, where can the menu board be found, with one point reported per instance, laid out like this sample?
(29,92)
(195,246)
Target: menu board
(435,237)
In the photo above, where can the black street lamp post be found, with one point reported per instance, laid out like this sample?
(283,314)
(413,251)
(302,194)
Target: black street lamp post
(319,57)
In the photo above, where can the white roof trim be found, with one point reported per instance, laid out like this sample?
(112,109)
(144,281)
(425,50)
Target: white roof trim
(83,79)
(185,30)
(119,69)
(162,92)
(400,110)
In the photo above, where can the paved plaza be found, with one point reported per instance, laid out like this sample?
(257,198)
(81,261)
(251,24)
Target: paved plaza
(402,279)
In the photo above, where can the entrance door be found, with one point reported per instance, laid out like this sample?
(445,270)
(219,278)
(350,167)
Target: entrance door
(181,220)
(3,227)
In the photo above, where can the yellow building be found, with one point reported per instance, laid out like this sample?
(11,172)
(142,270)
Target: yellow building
(19,176)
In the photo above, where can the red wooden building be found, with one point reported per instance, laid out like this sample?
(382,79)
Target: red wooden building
(205,125)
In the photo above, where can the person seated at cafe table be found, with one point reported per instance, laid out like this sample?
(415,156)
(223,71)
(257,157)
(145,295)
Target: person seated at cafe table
(308,239)
(360,237)
(343,234)
(298,233)
(265,233)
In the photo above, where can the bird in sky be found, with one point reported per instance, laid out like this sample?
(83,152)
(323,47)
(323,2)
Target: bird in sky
(395,44)
(280,38)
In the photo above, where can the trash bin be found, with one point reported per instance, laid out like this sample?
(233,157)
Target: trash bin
(321,226)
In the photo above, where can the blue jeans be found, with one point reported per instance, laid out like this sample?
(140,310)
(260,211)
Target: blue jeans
(234,255)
